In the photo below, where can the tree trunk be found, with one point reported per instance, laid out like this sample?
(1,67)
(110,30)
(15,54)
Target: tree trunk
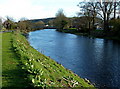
(114,9)
(89,28)
(93,23)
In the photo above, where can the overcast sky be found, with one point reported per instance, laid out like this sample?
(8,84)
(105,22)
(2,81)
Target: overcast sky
(36,9)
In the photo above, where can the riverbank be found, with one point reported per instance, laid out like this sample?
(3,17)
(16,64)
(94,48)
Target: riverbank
(94,34)
(39,70)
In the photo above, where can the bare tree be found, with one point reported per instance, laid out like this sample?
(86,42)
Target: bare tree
(10,18)
(116,7)
(10,23)
(61,20)
(25,25)
(103,9)
(106,8)
(39,24)
(89,10)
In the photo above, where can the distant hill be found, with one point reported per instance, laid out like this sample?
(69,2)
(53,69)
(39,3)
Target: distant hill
(45,20)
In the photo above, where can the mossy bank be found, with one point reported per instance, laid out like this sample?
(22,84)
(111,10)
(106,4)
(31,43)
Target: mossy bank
(40,70)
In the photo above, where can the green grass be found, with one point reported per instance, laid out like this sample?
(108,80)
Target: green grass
(24,66)
(43,71)
(12,74)
(72,29)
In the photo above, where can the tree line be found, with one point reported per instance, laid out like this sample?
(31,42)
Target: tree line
(93,15)
(24,25)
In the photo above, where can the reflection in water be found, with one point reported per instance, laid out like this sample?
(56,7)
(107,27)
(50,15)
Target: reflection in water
(95,59)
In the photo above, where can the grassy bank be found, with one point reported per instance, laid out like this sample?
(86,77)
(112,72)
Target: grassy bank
(34,68)
(12,74)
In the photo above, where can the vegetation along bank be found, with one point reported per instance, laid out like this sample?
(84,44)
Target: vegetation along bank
(38,70)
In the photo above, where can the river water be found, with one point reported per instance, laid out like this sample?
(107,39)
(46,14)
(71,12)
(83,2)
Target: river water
(95,59)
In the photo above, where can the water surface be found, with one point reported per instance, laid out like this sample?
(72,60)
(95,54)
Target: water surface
(95,59)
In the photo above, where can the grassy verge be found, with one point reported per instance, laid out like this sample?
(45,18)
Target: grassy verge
(12,74)
(23,66)
(43,71)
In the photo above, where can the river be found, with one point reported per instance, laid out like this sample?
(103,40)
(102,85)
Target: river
(95,59)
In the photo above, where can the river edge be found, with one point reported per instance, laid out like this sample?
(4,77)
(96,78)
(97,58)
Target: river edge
(85,83)
(56,34)
(91,36)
